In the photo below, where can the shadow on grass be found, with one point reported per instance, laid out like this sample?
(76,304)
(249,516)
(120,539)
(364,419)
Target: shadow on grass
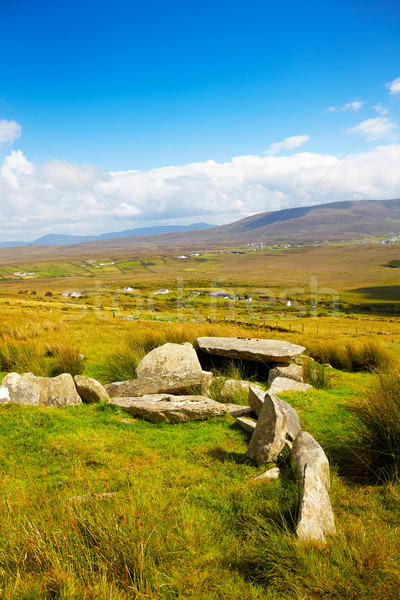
(222,455)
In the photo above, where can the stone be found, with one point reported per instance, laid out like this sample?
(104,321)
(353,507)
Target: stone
(287,370)
(171,368)
(173,383)
(41,391)
(282,384)
(234,387)
(58,391)
(246,424)
(256,398)
(268,438)
(307,451)
(166,408)
(256,401)
(261,350)
(90,390)
(20,389)
(294,425)
(316,518)
(238,410)
(270,474)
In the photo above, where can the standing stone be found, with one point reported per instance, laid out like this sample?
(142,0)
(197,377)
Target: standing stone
(269,435)
(315,514)
(307,451)
(256,401)
(90,390)
(260,350)
(287,370)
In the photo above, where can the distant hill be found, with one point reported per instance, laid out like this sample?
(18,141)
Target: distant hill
(65,240)
(335,221)
(347,220)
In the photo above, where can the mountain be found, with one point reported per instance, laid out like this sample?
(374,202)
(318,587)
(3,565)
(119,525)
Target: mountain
(59,239)
(347,220)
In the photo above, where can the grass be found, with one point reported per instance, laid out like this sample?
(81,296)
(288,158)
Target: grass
(352,356)
(316,375)
(378,419)
(187,521)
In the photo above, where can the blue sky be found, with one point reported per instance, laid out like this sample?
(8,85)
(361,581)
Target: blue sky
(140,86)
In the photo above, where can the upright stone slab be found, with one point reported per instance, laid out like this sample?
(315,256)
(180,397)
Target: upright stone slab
(315,513)
(256,401)
(307,451)
(261,350)
(268,438)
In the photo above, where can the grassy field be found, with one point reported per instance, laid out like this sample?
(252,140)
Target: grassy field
(186,518)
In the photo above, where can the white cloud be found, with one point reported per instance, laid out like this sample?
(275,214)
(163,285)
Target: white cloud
(9,131)
(350,106)
(15,166)
(376,128)
(288,143)
(394,86)
(38,201)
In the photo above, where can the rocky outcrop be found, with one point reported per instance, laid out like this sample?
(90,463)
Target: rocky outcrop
(90,390)
(315,512)
(268,438)
(282,384)
(170,369)
(307,451)
(269,351)
(167,408)
(287,370)
(41,391)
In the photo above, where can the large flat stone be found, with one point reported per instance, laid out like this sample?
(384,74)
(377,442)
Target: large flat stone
(173,383)
(268,438)
(167,408)
(269,351)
